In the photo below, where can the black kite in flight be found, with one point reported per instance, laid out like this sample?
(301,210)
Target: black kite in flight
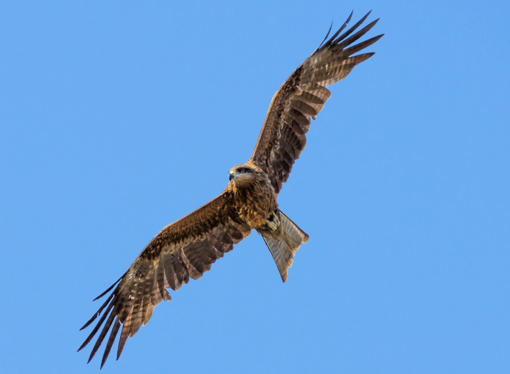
(188,247)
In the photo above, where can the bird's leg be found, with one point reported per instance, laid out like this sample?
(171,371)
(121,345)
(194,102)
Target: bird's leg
(273,222)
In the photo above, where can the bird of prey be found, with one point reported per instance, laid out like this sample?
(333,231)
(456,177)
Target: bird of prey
(188,247)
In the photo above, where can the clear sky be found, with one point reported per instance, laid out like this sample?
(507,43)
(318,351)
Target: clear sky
(117,118)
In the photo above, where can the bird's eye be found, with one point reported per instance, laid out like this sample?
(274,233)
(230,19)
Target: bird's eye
(240,170)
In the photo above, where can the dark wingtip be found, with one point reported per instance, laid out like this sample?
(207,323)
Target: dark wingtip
(111,341)
(350,16)
(348,32)
(110,288)
(88,322)
(323,40)
(98,313)
(338,31)
(104,293)
(90,359)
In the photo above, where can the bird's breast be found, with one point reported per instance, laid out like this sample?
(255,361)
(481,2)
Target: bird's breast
(257,204)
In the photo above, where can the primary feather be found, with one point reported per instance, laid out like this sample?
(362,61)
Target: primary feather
(301,97)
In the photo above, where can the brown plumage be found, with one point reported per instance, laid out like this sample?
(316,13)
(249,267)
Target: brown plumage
(188,247)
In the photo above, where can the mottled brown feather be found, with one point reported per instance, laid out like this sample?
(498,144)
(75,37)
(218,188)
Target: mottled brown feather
(301,97)
(186,248)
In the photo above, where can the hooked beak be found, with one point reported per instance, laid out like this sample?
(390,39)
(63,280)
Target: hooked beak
(230,176)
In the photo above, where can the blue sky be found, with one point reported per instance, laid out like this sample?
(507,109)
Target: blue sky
(118,118)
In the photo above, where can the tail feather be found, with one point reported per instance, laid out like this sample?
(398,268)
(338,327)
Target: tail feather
(284,243)
(291,226)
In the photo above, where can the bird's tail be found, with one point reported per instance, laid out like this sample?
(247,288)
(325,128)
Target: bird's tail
(284,242)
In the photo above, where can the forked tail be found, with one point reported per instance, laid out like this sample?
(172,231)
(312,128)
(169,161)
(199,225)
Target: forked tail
(284,242)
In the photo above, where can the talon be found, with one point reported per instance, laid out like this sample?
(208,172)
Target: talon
(271,225)
(274,222)
(276,219)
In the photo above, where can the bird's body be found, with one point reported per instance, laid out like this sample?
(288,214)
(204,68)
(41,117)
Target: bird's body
(253,195)
(188,247)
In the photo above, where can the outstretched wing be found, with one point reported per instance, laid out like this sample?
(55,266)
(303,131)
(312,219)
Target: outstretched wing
(184,249)
(302,97)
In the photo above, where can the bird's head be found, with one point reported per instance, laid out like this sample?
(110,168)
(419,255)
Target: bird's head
(242,174)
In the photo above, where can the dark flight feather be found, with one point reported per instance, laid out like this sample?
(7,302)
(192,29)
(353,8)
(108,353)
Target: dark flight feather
(302,97)
(186,248)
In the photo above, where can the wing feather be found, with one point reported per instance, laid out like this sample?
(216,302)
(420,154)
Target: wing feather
(122,341)
(111,339)
(302,97)
(187,248)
